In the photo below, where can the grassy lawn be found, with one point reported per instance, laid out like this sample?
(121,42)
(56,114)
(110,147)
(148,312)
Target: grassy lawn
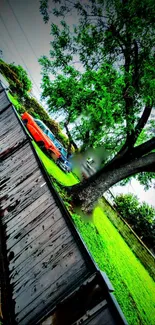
(134,288)
(66,179)
(14,101)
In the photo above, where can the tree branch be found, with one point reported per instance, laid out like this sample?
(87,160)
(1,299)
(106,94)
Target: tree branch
(71,141)
(132,138)
(135,77)
(144,148)
(87,193)
(125,155)
(140,125)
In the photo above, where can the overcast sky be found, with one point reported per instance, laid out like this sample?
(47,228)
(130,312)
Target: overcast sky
(23,36)
(23,39)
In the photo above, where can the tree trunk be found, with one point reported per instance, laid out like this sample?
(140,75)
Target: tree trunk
(88,192)
(71,141)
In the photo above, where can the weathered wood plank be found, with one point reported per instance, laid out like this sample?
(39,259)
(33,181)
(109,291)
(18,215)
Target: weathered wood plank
(39,250)
(19,172)
(24,185)
(37,209)
(21,186)
(13,209)
(50,297)
(104,317)
(43,255)
(14,162)
(41,266)
(1,87)
(4,101)
(55,269)
(32,234)
(11,133)
(46,255)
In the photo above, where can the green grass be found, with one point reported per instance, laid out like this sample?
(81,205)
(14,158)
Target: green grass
(134,288)
(14,101)
(66,179)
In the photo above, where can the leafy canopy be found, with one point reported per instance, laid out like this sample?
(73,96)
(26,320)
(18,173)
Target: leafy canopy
(110,98)
(90,100)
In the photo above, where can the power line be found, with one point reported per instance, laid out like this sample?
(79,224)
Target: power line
(11,39)
(21,28)
(5,43)
(18,52)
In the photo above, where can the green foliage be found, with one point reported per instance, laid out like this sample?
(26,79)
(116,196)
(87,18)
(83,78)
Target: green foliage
(146,179)
(9,74)
(93,96)
(22,77)
(44,10)
(15,102)
(101,30)
(37,111)
(113,42)
(20,85)
(17,77)
(124,270)
(141,217)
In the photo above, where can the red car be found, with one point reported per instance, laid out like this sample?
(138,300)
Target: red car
(40,137)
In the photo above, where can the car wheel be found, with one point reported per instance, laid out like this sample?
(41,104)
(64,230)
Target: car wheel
(52,156)
(41,145)
(25,122)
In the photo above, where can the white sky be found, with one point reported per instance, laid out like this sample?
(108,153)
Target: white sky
(138,190)
(23,39)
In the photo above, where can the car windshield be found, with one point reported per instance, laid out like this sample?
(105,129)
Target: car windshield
(40,124)
(50,135)
(45,129)
(64,152)
(60,147)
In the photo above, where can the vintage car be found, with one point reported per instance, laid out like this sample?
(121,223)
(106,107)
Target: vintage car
(63,162)
(47,141)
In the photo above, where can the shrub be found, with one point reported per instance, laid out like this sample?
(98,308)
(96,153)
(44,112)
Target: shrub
(141,217)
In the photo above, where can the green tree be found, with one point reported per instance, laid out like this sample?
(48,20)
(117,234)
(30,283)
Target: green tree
(118,37)
(20,85)
(60,94)
(141,217)
(17,77)
(91,97)
(22,76)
